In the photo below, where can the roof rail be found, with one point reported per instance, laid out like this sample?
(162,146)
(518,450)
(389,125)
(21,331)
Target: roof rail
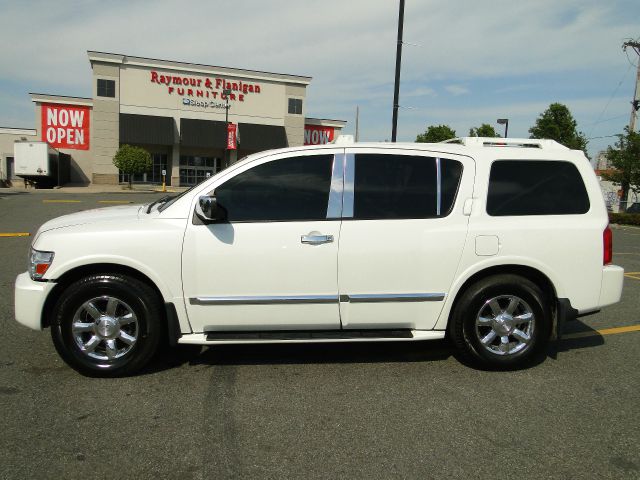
(508,142)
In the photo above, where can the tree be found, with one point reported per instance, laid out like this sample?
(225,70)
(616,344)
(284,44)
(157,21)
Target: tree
(436,133)
(484,130)
(625,163)
(557,123)
(132,160)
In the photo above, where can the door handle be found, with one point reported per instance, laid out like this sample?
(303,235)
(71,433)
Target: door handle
(316,239)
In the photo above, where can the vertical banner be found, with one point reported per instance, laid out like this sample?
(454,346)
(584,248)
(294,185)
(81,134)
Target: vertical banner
(231,136)
(66,126)
(317,135)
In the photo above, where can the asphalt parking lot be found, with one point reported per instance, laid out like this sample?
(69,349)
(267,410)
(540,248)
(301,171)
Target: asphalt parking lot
(372,411)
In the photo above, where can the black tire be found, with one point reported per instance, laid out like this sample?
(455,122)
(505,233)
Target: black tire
(474,318)
(103,313)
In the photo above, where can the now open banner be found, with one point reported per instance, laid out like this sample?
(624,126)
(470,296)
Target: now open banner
(318,135)
(66,126)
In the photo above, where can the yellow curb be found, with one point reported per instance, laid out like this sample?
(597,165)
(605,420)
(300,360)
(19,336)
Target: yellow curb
(604,331)
(18,234)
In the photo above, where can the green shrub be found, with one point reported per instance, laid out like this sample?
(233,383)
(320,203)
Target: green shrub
(625,218)
(132,160)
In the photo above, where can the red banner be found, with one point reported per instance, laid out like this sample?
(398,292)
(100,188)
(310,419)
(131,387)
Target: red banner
(66,126)
(317,135)
(231,136)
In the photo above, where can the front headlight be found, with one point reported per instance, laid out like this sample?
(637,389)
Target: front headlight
(39,263)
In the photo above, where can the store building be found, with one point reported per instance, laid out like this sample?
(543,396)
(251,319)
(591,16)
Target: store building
(193,119)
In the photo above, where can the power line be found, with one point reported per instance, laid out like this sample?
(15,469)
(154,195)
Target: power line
(611,98)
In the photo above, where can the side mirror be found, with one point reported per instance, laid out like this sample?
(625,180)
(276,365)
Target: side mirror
(208,210)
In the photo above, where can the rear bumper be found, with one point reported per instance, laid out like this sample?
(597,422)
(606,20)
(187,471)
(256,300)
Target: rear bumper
(29,300)
(611,287)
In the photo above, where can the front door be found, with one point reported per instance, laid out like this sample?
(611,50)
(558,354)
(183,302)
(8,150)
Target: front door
(402,236)
(273,264)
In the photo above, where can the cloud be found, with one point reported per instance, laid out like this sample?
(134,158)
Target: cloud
(513,55)
(457,90)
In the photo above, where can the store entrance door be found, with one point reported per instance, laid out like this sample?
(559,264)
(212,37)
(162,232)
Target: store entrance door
(194,169)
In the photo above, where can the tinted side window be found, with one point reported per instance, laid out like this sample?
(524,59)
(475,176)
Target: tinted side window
(535,188)
(290,189)
(403,186)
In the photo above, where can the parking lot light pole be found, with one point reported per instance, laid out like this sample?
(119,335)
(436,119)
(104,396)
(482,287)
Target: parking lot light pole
(505,122)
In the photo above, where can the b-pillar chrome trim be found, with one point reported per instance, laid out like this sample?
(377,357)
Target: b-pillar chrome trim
(334,209)
(349,180)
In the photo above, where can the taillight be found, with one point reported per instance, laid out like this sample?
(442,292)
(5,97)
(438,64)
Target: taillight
(607,243)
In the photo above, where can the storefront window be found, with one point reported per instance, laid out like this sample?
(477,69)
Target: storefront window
(194,169)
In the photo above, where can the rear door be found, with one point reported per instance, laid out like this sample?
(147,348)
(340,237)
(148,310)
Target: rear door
(402,235)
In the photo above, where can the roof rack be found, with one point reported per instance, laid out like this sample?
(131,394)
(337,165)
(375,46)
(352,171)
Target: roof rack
(508,142)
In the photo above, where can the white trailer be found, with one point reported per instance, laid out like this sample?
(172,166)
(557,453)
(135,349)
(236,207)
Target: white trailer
(38,162)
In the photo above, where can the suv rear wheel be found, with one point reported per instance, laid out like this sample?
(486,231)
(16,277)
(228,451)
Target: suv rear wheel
(501,321)
(107,325)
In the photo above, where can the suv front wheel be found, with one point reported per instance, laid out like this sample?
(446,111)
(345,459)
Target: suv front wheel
(107,325)
(501,321)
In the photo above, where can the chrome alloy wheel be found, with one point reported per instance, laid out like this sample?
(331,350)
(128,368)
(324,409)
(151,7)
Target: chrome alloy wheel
(505,325)
(105,328)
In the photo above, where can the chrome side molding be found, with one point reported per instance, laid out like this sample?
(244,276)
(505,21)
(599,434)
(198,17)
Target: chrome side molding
(300,299)
(398,297)
(264,300)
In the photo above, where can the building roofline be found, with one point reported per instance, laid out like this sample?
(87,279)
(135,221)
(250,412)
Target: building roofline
(50,98)
(18,131)
(325,121)
(121,59)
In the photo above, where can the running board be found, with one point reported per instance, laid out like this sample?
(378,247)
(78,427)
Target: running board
(309,336)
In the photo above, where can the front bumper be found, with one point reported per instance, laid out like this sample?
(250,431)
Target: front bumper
(30,297)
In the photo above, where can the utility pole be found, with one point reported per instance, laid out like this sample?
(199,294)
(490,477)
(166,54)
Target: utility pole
(357,123)
(635,104)
(396,90)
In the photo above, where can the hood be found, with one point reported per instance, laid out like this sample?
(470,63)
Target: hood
(120,213)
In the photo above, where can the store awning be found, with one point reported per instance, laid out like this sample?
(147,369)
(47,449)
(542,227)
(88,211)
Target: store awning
(261,137)
(147,129)
(202,133)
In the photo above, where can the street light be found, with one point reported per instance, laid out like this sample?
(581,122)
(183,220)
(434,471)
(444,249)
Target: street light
(505,122)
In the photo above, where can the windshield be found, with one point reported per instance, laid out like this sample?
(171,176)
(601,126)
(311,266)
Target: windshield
(173,199)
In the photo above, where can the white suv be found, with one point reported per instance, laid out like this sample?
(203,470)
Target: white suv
(493,243)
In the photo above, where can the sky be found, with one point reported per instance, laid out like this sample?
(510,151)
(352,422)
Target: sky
(464,62)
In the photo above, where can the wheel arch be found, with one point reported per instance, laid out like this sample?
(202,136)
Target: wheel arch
(91,269)
(531,273)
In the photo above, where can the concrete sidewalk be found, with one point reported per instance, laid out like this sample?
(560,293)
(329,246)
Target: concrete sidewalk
(92,188)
